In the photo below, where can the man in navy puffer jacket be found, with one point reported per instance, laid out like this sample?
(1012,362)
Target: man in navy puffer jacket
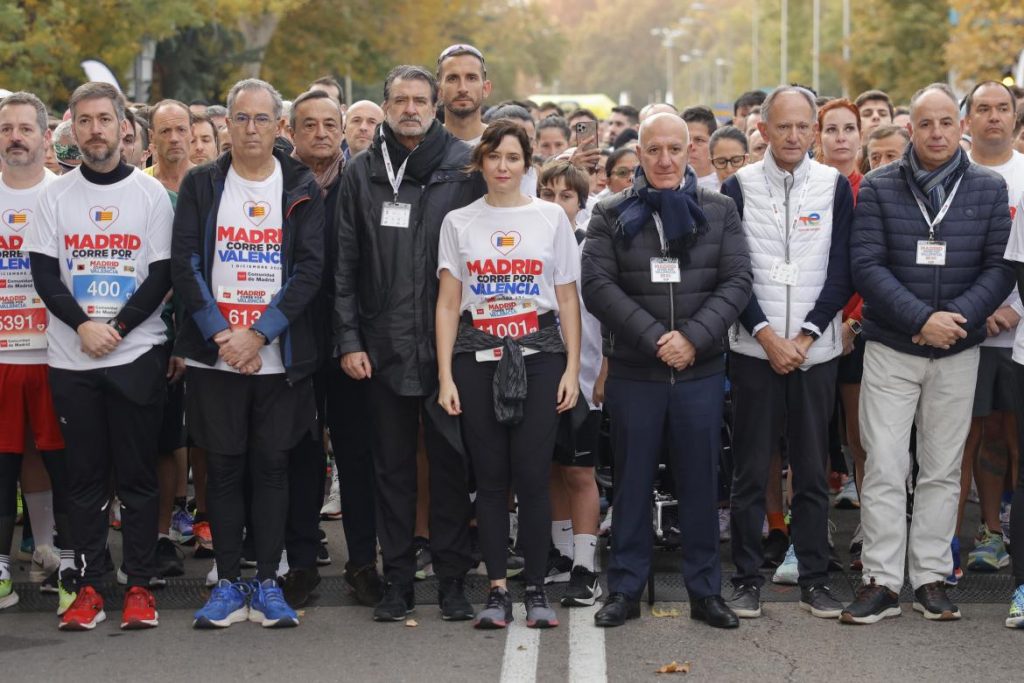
(927,245)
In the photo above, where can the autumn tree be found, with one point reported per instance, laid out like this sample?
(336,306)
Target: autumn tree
(986,40)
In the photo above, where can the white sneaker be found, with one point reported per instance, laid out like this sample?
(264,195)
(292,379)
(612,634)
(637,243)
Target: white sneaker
(45,561)
(788,572)
(211,576)
(332,508)
(1004,521)
(858,536)
(847,499)
(282,566)
(606,523)
(724,532)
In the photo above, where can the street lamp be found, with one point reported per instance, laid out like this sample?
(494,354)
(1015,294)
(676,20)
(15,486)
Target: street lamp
(668,37)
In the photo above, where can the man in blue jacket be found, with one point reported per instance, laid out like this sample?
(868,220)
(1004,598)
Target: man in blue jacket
(927,256)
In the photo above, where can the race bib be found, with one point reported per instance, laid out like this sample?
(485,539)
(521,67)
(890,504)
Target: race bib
(931,253)
(102,286)
(514,318)
(22,322)
(242,307)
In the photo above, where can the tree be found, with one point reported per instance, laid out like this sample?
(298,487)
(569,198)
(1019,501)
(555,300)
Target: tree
(32,54)
(986,39)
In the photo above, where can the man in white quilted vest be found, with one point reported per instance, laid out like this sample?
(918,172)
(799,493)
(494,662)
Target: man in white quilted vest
(784,353)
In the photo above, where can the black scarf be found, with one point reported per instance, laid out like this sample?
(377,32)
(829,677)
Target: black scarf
(936,185)
(681,216)
(424,159)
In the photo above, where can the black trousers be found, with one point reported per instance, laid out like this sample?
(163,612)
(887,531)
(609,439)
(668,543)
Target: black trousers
(248,423)
(10,470)
(396,422)
(110,419)
(766,406)
(514,458)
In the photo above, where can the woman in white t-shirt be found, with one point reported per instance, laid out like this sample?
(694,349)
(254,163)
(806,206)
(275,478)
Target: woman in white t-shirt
(508,351)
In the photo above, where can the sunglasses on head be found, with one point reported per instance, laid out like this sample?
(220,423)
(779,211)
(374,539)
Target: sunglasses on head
(459,49)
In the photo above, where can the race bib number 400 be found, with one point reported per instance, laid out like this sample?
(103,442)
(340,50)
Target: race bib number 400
(242,307)
(22,322)
(102,286)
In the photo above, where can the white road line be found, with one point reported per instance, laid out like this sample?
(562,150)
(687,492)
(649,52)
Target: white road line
(522,648)
(587,662)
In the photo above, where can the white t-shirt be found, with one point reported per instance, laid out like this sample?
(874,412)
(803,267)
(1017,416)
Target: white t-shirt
(518,253)
(591,350)
(106,237)
(1013,172)
(246,271)
(710,182)
(23,316)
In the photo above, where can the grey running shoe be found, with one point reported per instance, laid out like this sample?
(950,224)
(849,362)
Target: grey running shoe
(497,613)
(538,612)
(818,601)
(746,601)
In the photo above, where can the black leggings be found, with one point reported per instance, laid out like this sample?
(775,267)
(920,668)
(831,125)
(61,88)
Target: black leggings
(518,456)
(10,470)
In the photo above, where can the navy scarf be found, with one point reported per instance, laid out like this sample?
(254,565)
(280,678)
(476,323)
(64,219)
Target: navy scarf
(681,216)
(936,185)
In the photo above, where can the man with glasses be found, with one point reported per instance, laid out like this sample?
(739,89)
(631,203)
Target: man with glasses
(796,216)
(247,261)
(462,78)
(728,148)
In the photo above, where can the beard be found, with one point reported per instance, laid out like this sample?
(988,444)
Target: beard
(96,158)
(28,160)
(464,113)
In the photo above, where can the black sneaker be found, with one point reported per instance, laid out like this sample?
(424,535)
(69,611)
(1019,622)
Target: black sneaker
(931,601)
(872,604)
(559,567)
(50,583)
(774,548)
(365,583)
(451,598)
(396,605)
(298,585)
(497,613)
(170,561)
(819,602)
(323,557)
(583,590)
(746,601)
(515,563)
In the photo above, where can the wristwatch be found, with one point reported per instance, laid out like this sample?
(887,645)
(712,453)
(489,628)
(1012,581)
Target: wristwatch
(855,325)
(810,333)
(118,326)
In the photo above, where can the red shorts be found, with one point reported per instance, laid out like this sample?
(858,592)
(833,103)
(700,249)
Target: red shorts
(25,399)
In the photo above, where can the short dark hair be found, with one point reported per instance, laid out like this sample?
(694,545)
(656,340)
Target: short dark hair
(306,97)
(731,133)
(495,132)
(139,123)
(94,90)
(751,98)
(574,179)
(869,95)
(700,114)
(169,103)
(332,82)
(614,157)
(585,113)
(969,101)
(631,113)
(205,118)
(551,105)
(554,122)
(507,111)
(411,72)
(1019,124)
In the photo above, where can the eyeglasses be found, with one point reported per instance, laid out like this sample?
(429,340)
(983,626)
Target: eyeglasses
(623,172)
(735,162)
(262,121)
(459,49)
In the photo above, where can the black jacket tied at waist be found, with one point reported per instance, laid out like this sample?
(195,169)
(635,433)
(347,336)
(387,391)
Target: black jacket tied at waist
(509,384)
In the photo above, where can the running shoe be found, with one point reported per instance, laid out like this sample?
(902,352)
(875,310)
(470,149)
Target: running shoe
(211,576)
(989,554)
(538,612)
(84,613)
(848,498)
(724,529)
(8,597)
(170,561)
(182,526)
(332,508)
(139,610)
(51,583)
(788,572)
(228,604)
(424,561)
(203,538)
(514,563)
(559,567)
(268,608)
(1004,520)
(497,613)
(606,524)
(1016,618)
(584,588)
(836,481)
(154,581)
(67,591)
(958,573)
(45,560)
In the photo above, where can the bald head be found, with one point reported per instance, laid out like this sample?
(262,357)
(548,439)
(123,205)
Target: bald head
(664,150)
(657,108)
(361,120)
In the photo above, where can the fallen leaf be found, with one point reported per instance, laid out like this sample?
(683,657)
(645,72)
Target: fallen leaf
(301,613)
(521,647)
(411,623)
(671,612)
(674,668)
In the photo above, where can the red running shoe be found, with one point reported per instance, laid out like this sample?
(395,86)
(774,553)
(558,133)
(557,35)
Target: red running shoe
(139,609)
(85,612)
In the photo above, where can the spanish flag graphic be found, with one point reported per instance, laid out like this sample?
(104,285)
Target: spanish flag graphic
(103,216)
(504,241)
(16,218)
(257,211)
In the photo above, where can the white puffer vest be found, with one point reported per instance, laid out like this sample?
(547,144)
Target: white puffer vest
(805,202)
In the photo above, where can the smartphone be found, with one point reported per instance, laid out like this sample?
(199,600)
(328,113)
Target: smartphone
(586,134)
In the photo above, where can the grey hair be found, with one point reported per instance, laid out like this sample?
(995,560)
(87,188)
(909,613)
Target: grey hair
(216,110)
(22,97)
(63,133)
(508,111)
(410,72)
(941,87)
(256,84)
(94,90)
(766,106)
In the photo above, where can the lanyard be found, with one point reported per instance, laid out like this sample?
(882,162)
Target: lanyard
(932,222)
(778,214)
(661,232)
(395,180)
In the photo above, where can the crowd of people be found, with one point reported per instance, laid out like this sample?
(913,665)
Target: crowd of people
(442,300)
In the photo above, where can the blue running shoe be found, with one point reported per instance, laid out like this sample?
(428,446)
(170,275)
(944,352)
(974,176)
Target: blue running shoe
(1016,618)
(226,606)
(181,526)
(268,607)
(958,573)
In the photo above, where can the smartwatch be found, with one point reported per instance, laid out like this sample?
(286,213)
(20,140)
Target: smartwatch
(810,333)
(118,326)
(855,325)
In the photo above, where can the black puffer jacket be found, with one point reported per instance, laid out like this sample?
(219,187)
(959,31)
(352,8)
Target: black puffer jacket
(386,278)
(899,295)
(635,313)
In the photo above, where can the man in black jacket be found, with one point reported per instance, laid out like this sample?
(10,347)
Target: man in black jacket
(929,233)
(666,271)
(393,199)
(247,260)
